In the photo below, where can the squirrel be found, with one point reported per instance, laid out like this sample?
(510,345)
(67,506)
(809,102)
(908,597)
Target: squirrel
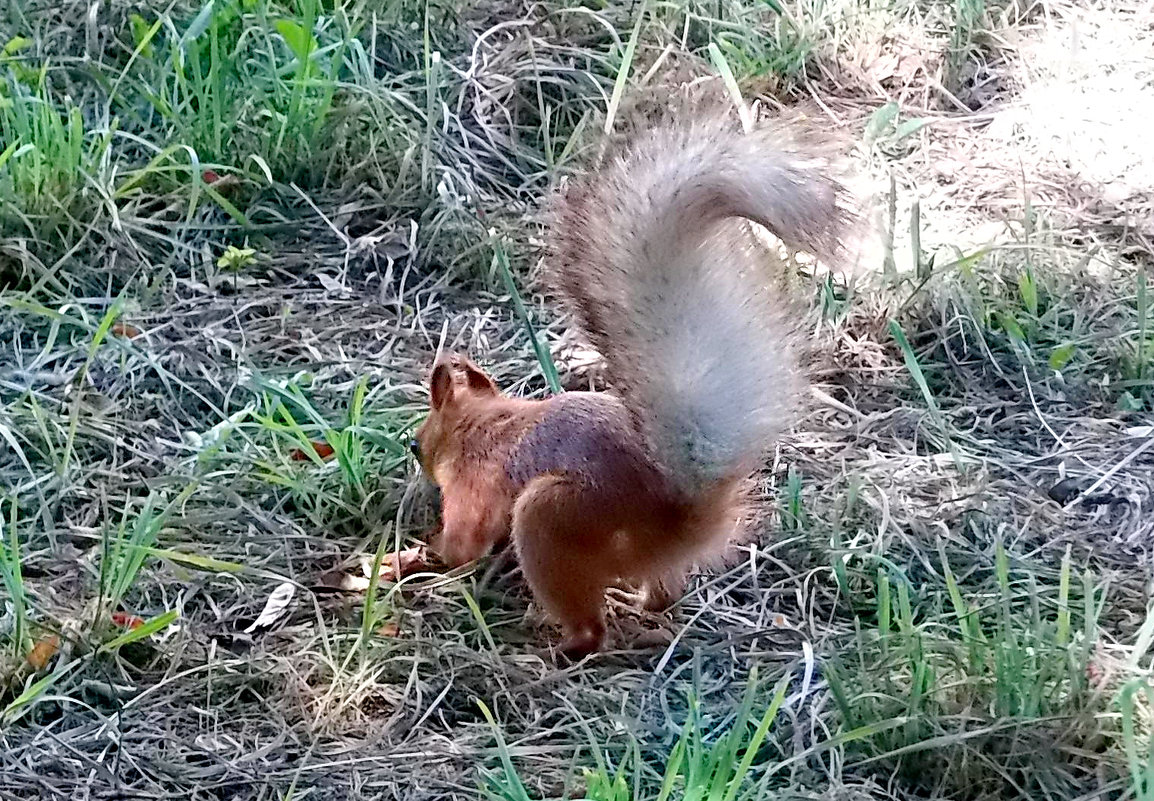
(642,484)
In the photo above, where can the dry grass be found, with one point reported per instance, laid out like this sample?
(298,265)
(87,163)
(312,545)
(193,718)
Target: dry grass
(980,443)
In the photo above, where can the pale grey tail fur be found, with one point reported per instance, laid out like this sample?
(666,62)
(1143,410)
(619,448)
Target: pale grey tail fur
(676,295)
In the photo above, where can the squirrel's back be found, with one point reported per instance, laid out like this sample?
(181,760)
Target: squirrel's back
(651,253)
(587,436)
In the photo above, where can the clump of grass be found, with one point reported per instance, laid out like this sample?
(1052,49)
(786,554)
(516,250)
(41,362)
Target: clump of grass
(18,638)
(761,41)
(331,470)
(1136,697)
(967,18)
(1134,354)
(1025,321)
(247,79)
(125,550)
(701,764)
(50,155)
(982,690)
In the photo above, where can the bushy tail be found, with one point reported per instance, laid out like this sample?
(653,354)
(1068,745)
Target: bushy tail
(667,283)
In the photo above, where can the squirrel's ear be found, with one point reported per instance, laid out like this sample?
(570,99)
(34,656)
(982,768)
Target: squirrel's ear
(478,380)
(441,385)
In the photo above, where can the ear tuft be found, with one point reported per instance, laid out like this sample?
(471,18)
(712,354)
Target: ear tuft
(441,385)
(478,380)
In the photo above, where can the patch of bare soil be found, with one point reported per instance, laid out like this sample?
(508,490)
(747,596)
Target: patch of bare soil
(1063,127)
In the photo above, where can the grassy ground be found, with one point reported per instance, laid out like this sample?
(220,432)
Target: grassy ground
(230,232)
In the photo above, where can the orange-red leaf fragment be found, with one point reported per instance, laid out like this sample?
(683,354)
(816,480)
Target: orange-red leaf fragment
(42,653)
(221,183)
(322,449)
(127,621)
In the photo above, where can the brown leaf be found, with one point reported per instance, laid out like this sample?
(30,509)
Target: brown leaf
(394,566)
(42,653)
(399,564)
(322,449)
(389,630)
(126,330)
(342,581)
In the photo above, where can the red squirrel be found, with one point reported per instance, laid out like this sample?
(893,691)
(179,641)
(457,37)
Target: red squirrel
(641,484)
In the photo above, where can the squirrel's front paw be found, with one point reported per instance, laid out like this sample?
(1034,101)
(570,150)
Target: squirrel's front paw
(458,550)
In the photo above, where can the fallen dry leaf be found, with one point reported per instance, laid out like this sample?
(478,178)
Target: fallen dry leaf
(322,449)
(277,602)
(399,564)
(340,580)
(394,567)
(42,653)
(127,621)
(126,330)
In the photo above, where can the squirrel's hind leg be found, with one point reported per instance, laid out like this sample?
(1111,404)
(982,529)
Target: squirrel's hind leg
(565,559)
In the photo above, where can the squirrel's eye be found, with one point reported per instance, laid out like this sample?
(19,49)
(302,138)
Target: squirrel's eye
(415,448)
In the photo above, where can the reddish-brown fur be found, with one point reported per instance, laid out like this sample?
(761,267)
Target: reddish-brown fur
(570,479)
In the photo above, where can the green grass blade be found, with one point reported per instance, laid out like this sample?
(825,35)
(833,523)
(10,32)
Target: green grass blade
(147,629)
(758,737)
(544,358)
(1143,311)
(479,617)
(195,560)
(914,368)
(1063,636)
(511,777)
(368,613)
(726,72)
(884,604)
(98,337)
(21,703)
(13,582)
(623,71)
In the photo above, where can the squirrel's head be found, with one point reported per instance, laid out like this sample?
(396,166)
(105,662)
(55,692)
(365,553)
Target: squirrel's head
(455,384)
